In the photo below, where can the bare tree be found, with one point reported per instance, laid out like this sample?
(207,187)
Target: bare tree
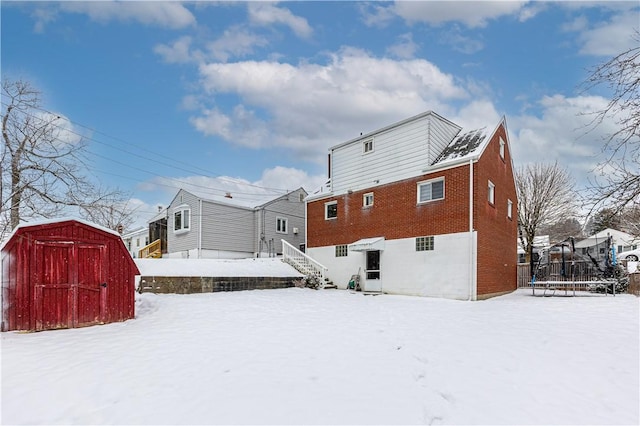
(43,165)
(545,197)
(618,185)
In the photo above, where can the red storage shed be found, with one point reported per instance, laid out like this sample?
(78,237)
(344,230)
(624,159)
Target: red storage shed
(63,274)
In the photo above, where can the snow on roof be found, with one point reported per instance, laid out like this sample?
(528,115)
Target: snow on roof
(140,231)
(248,197)
(261,267)
(52,221)
(463,146)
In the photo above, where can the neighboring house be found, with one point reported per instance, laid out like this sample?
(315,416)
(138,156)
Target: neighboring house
(136,240)
(540,243)
(420,207)
(597,244)
(241,225)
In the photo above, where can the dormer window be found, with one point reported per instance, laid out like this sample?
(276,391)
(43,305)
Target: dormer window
(367,146)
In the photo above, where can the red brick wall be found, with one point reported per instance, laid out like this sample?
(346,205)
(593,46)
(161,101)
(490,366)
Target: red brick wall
(395,213)
(497,252)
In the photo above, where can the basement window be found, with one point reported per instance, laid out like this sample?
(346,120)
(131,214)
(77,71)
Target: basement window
(424,243)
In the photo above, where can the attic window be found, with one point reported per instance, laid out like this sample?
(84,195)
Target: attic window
(502,148)
(367,146)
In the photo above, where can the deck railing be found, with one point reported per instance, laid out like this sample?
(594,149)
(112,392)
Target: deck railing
(303,263)
(153,250)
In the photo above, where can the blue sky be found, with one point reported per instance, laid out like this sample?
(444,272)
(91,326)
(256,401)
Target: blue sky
(222,94)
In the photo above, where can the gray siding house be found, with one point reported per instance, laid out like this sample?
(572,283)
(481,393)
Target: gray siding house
(234,226)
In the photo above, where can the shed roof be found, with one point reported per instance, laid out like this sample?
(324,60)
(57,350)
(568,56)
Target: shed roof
(40,222)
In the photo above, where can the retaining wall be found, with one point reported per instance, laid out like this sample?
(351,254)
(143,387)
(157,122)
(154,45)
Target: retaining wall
(189,285)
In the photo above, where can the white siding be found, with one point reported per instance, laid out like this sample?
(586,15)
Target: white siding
(399,152)
(444,272)
(290,208)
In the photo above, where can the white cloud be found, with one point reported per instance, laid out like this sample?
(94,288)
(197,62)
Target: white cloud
(313,106)
(611,38)
(290,178)
(164,14)
(273,182)
(470,13)
(459,42)
(405,48)
(559,132)
(177,52)
(235,42)
(374,15)
(266,13)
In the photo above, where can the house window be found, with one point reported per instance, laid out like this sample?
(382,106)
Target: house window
(137,242)
(431,190)
(501,148)
(509,209)
(367,200)
(331,210)
(424,243)
(281,225)
(492,193)
(181,219)
(341,251)
(367,146)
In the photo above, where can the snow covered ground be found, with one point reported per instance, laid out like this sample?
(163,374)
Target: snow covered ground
(299,356)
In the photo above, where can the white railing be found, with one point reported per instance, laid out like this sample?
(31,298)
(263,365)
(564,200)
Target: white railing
(302,262)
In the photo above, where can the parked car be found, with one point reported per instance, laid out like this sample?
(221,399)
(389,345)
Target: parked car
(631,255)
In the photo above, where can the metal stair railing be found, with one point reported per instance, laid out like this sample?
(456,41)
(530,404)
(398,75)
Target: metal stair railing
(303,263)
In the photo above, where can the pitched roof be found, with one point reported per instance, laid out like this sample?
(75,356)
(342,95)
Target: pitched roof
(464,145)
(248,198)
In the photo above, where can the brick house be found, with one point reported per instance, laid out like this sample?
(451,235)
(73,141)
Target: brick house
(419,207)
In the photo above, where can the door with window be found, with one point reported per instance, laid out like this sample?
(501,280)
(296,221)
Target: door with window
(372,280)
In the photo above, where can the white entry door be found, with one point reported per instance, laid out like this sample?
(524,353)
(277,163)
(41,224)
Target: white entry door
(372,281)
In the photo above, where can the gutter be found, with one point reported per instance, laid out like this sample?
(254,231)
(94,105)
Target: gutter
(472,295)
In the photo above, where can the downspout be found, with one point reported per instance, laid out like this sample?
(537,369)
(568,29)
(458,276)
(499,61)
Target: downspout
(471,259)
(200,229)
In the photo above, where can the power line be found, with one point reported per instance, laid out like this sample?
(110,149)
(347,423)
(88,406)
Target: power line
(171,164)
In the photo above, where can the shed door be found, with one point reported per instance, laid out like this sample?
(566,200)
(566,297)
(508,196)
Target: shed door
(91,292)
(67,284)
